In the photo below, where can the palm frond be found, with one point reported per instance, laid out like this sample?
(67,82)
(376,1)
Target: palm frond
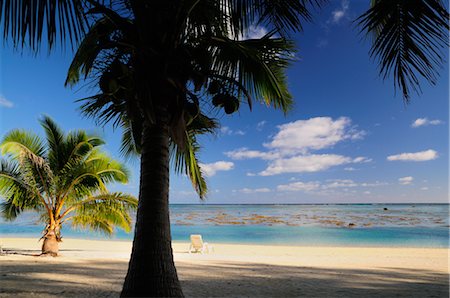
(64,149)
(94,42)
(104,211)
(87,221)
(10,210)
(101,107)
(27,22)
(108,169)
(37,173)
(283,16)
(78,144)
(55,139)
(17,193)
(410,37)
(17,141)
(92,174)
(185,160)
(131,138)
(29,151)
(258,64)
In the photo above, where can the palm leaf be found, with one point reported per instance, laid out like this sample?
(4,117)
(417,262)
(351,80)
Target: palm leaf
(409,39)
(104,211)
(92,174)
(17,193)
(17,141)
(27,22)
(131,138)
(55,138)
(185,160)
(29,151)
(258,64)
(283,16)
(94,42)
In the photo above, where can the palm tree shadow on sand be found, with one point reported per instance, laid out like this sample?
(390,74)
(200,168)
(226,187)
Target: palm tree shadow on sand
(31,252)
(222,279)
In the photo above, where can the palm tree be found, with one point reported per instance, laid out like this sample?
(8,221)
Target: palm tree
(163,65)
(162,96)
(63,179)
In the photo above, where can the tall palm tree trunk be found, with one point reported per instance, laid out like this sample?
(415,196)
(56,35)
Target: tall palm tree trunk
(151,271)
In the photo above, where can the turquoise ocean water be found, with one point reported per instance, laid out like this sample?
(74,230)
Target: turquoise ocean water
(403,225)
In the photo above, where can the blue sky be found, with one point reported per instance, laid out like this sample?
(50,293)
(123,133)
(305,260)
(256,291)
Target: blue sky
(348,139)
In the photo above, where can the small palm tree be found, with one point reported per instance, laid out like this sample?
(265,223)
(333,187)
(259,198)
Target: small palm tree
(63,179)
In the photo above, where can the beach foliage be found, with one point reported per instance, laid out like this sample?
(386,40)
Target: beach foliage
(64,178)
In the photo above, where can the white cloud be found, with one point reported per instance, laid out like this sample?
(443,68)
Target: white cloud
(340,183)
(211,169)
(260,125)
(289,150)
(405,180)
(373,184)
(361,159)
(350,169)
(417,156)
(227,131)
(357,134)
(245,153)
(313,134)
(255,32)
(304,163)
(254,190)
(424,188)
(338,14)
(329,187)
(425,122)
(299,186)
(5,103)
(435,122)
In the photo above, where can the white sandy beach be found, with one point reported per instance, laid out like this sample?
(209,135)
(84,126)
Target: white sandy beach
(88,268)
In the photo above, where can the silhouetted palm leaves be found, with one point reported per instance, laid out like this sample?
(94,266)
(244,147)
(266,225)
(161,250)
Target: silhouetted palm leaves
(409,40)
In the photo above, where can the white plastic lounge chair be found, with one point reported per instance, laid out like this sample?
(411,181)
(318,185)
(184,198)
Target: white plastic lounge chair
(197,245)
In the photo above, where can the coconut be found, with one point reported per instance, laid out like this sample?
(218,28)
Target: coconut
(231,104)
(214,87)
(218,100)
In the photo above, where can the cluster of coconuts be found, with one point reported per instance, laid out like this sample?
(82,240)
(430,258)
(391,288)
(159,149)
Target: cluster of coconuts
(116,80)
(222,99)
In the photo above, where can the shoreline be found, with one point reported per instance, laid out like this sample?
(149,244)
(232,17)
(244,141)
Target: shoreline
(96,268)
(70,239)
(324,245)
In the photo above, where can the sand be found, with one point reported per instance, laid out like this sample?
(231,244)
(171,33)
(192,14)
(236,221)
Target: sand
(89,268)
